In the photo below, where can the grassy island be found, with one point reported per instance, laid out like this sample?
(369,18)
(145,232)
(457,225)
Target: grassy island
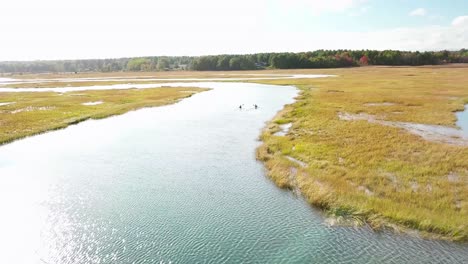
(24,114)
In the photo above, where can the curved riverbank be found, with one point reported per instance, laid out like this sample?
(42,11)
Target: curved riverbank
(292,174)
(55,103)
(377,172)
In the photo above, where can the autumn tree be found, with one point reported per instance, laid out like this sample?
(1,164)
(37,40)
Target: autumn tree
(364,60)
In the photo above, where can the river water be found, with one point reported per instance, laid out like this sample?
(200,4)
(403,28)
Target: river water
(176,184)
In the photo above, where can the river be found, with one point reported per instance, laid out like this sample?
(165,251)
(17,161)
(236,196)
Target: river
(176,184)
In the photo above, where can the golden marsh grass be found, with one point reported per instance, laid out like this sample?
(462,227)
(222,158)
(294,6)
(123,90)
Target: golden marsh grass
(382,174)
(37,112)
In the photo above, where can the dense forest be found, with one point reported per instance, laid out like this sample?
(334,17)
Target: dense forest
(302,60)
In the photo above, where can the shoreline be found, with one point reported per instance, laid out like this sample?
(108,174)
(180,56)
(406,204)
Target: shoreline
(334,214)
(345,199)
(162,96)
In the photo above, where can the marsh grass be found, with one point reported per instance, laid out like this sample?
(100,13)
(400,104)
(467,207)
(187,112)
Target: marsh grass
(382,175)
(48,84)
(38,112)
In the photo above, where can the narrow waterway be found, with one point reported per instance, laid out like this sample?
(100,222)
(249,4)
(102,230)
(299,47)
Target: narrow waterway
(176,184)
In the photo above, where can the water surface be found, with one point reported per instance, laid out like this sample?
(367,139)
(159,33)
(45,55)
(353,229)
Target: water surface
(176,184)
(462,120)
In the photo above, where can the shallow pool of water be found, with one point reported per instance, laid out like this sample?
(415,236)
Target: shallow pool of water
(176,184)
(462,120)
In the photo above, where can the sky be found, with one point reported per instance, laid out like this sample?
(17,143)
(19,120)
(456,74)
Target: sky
(60,29)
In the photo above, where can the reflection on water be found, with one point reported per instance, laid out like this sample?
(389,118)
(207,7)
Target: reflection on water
(175,184)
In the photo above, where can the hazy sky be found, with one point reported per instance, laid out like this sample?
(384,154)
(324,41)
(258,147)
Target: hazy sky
(60,29)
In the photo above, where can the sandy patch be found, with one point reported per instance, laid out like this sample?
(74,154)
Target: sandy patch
(7,103)
(298,162)
(453,177)
(284,129)
(32,108)
(414,186)
(380,104)
(365,190)
(93,103)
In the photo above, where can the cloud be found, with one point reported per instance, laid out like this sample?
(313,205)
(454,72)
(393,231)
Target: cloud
(318,7)
(460,21)
(333,5)
(418,12)
(418,38)
(360,11)
(150,28)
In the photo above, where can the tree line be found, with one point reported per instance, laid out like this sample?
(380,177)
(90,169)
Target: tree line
(289,60)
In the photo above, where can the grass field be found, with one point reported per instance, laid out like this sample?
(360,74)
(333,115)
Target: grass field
(91,78)
(368,172)
(25,114)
